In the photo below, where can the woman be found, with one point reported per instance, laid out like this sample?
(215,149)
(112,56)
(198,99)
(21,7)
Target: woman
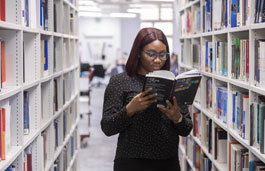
(148,137)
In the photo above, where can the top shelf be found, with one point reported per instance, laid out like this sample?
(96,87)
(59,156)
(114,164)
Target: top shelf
(188,5)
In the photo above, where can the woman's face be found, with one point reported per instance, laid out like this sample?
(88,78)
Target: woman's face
(150,64)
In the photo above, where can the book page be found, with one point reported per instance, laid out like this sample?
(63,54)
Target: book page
(162,74)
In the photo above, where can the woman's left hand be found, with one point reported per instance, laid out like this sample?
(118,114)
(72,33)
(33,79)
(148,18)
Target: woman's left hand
(172,110)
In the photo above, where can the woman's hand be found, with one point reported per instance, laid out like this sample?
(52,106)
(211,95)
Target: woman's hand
(172,111)
(140,102)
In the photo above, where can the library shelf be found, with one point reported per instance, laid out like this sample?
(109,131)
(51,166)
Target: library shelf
(13,154)
(28,139)
(30,85)
(72,161)
(239,29)
(257,153)
(241,40)
(220,123)
(239,83)
(9,91)
(257,26)
(46,79)
(258,90)
(32,69)
(242,141)
(11,26)
(188,5)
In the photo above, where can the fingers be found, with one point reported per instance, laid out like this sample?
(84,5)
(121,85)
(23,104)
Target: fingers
(145,92)
(149,97)
(149,102)
(175,101)
(169,105)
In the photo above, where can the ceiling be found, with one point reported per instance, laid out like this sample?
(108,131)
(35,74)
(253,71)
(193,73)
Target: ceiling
(106,7)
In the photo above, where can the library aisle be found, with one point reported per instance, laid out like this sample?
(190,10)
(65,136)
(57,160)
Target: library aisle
(100,151)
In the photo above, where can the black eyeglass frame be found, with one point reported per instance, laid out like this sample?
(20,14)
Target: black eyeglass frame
(153,55)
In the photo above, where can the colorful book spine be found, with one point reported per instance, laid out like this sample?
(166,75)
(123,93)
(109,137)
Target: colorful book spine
(26,112)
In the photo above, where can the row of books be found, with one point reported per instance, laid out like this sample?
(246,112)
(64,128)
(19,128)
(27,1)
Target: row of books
(240,113)
(238,157)
(220,143)
(221,100)
(44,58)
(220,58)
(25,12)
(207,54)
(44,14)
(220,14)
(240,59)
(259,63)
(190,22)
(5,128)
(257,110)
(259,11)
(209,94)
(240,12)
(27,159)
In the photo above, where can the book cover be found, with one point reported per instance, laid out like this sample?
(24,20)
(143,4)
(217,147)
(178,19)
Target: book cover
(166,85)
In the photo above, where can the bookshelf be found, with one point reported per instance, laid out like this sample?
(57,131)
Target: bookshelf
(227,46)
(39,92)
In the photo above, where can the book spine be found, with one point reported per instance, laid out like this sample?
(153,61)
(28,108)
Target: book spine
(26,112)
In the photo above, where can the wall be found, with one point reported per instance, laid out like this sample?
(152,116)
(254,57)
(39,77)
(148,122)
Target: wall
(93,34)
(129,30)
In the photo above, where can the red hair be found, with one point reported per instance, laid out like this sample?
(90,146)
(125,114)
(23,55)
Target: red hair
(144,37)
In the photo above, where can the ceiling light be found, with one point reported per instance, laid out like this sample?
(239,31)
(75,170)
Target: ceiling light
(90,14)
(89,8)
(123,15)
(82,3)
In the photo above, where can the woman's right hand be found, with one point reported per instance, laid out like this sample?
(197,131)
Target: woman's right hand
(140,102)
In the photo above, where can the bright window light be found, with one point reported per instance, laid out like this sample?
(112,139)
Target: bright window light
(90,14)
(166,14)
(166,27)
(123,15)
(89,8)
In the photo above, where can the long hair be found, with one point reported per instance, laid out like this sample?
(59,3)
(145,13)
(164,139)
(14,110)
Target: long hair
(144,37)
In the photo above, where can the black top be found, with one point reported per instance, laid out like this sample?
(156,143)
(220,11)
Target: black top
(148,134)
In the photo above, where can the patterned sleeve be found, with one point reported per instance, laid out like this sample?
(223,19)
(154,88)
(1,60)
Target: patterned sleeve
(185,126)
(114,117)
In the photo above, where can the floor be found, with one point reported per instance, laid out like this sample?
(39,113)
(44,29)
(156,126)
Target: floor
(100,150)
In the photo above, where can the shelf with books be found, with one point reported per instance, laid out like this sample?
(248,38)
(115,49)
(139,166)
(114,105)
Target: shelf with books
(257,63)
(46,56)
(220,100)
(14,159)
(22,28)
(244,39)
(10,59)
(220,55)
(31,160)
(239,42)
(31,112)
(187,5)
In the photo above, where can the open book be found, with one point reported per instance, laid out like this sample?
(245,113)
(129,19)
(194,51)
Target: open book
(166,85)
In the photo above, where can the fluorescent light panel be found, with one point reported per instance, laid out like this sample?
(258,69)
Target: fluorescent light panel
(90,14)
(123,15)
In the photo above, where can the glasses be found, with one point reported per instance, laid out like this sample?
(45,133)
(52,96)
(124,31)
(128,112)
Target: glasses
(152,54)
